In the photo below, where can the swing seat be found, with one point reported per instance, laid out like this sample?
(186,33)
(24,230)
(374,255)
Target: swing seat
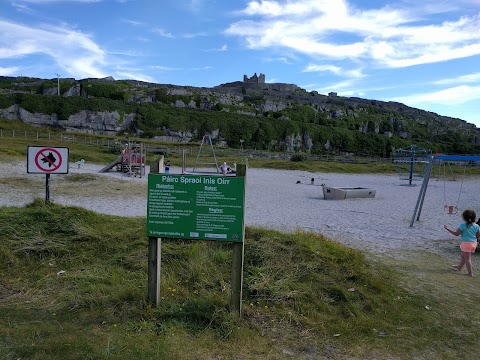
(451,209)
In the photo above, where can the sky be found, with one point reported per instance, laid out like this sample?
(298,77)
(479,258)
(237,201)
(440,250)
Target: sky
(425,54)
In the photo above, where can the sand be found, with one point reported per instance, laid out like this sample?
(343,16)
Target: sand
(287,201)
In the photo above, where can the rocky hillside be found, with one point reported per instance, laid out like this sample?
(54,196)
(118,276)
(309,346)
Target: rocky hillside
(262,115)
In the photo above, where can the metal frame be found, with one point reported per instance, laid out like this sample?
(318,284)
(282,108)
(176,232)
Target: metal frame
(206,140)
(411,157)
(423,189)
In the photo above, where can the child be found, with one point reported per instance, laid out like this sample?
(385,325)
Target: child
(224,168)
(469,234)
(167,167)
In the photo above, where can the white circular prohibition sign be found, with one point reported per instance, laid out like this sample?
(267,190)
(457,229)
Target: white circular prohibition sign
(48,160)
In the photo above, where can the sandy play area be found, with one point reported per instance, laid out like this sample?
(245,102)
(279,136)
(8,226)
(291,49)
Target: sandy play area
(280,199)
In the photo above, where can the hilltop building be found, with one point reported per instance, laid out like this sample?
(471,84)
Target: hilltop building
(260,79)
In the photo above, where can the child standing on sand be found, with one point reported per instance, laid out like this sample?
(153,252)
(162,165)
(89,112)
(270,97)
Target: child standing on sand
(469,234)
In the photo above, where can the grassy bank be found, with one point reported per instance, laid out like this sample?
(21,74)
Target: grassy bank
(74,286)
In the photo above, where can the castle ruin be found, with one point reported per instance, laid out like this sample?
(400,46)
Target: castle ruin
(254,79)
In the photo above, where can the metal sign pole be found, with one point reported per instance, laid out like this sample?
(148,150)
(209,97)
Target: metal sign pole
(47,160)
(47,189)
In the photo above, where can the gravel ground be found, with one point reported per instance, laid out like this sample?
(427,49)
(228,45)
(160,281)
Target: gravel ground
(279,199)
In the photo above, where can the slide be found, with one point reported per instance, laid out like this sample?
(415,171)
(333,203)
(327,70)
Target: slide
(115,162)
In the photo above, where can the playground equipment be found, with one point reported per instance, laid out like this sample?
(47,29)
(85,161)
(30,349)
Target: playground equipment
(131,160)
(204,157)
(411,163)
(157,165)
(449,208)
(341,193)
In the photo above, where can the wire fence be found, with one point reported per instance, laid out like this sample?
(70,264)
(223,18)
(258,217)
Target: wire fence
(91,140)
(112,142)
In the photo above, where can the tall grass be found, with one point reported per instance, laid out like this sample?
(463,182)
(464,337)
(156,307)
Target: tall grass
(74,287)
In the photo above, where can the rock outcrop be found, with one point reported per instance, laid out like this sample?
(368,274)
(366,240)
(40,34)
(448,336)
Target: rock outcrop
(93,122)
(251,97)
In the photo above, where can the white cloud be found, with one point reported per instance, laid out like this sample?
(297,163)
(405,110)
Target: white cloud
(194,35)
(7,71)
(452,96)
(286,58)
(57,1)
(469,78)
(166,68)
(334,70)
(153,29)
(309,87)
(223,48)
(343,86)
(133,22)
(293,8)
(389,37)
(21,7)
(202,68)
(134,76)
(162,32)
(282,59)
(73,51)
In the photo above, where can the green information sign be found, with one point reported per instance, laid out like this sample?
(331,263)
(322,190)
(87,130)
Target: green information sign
(196,207)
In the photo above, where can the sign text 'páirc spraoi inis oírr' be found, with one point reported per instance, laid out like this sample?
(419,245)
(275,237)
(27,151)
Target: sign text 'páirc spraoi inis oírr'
(196,207)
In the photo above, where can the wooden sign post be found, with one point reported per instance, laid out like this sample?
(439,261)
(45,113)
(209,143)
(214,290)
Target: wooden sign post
(196,208)
(154,270)
(237,262)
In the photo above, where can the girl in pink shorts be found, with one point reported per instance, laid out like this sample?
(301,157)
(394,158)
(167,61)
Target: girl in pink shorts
(469,234)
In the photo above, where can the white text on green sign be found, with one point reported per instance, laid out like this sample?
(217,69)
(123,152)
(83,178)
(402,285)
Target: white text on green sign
(196,207)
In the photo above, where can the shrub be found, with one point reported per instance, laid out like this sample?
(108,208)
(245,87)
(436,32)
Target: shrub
(298,157)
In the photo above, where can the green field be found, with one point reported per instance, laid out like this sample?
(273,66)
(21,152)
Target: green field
(73,285)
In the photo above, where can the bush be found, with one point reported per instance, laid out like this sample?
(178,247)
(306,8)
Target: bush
(298,157)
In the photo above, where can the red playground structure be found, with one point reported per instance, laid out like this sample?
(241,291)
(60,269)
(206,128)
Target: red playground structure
(131,161)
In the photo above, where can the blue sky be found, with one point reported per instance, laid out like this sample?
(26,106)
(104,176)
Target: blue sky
(425,54)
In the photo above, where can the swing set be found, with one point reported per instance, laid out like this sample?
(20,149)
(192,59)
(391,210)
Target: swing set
(448,208)
(411,163)
(451,209)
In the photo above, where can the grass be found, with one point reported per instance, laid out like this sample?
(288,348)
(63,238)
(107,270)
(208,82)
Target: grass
(74,287)
(17,149)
